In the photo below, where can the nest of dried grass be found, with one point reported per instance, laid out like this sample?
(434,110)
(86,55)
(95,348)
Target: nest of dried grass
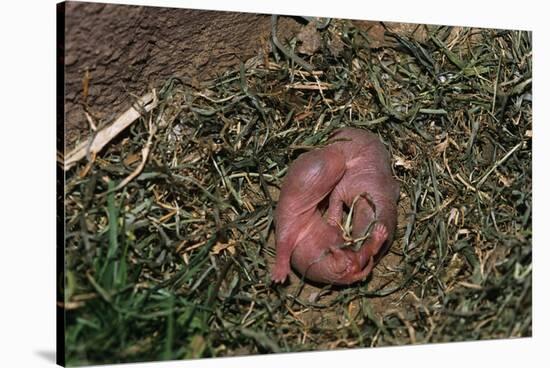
(169,230)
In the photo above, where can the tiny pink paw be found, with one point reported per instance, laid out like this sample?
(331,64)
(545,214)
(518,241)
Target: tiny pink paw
(379,233)
(279,273)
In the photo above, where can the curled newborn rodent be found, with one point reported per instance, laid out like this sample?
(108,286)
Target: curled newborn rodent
(352,170)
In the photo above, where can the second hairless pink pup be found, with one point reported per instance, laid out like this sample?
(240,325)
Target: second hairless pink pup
(354,167)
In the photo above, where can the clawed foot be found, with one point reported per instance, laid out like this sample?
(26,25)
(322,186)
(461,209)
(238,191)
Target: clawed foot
(378,236)
(379,233)
(279,273)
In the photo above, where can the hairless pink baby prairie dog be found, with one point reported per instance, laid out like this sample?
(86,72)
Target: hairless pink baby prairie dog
(354,167)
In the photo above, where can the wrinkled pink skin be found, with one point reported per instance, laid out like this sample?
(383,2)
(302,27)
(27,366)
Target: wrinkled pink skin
(355,164)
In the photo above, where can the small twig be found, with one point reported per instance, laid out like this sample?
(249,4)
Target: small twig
(310,86)
(144,156)
(93,125)
(104,136)
(497,164)
(471,188)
